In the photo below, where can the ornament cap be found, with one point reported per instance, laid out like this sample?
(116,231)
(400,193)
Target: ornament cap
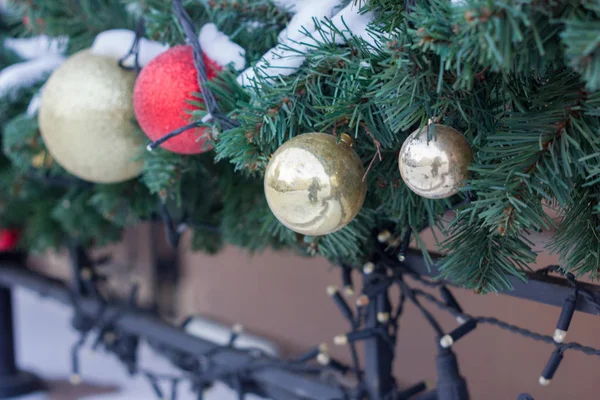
(344,137)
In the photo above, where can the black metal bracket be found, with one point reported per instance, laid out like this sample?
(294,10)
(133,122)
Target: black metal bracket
(538,287)
(13,382)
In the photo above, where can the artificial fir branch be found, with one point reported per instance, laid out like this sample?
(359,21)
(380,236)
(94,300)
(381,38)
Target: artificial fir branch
(517,78)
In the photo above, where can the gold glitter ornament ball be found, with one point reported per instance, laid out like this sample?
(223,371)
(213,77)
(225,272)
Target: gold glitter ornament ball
(314,185)
(87,120)
(437,168)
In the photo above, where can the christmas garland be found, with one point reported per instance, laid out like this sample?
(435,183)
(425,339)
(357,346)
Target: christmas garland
(349,122)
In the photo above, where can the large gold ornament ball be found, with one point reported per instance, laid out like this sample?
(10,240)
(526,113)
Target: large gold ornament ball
(87,120)
(437,168)
(314,184)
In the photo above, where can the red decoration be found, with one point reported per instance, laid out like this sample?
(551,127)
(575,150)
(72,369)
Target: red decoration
(9,239)
(161,98)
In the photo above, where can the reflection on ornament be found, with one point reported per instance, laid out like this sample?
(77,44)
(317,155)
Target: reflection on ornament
(314,185)
(437,168)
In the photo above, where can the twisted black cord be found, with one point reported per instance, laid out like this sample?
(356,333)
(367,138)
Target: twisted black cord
(509,327)
(411,294)
(209,99)
(134,50)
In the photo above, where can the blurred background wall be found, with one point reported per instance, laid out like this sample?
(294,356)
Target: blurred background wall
(282,296)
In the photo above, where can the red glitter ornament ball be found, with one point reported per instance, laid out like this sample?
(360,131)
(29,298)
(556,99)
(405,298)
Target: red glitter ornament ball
(161,99)
(9,239)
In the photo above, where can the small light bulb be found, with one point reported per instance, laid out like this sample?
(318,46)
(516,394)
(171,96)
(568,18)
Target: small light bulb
(383,317)
(460,320)
(75,379)
(544,382)
(349,290)
(368,268)
(238,329)
(340,340)
(331,290)
(559,335)
(323,359)
(86,274)
(446,341)
(362,301)
(401,257)
(384,236)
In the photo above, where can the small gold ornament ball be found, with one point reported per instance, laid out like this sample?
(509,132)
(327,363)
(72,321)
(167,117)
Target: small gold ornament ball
(314,185)
(87,120)
(438,168)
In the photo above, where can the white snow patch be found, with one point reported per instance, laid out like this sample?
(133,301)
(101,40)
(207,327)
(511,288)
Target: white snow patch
(287,57)
(350,21)
(304,18)
(289,5)
(35,103)
(36,47)
(117,42)
(134,9)
(27,73)
(219,47)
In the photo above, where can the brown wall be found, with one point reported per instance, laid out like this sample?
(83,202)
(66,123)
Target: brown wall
(283,297)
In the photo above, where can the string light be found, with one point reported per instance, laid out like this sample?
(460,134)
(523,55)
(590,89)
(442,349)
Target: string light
(551,367)
(564,320)
(362,301)
(368,268)
(333,292)
(412,391)
(451,302)
(383,313)
(347,280)
(449,339)
(384,236)
(342,340)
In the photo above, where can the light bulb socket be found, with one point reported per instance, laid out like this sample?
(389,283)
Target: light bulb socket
(341,303)
(412,391)
(551,367)
(450,383)
(309,355)
(449,339)
(566,315)
(347,280)
(450,300)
